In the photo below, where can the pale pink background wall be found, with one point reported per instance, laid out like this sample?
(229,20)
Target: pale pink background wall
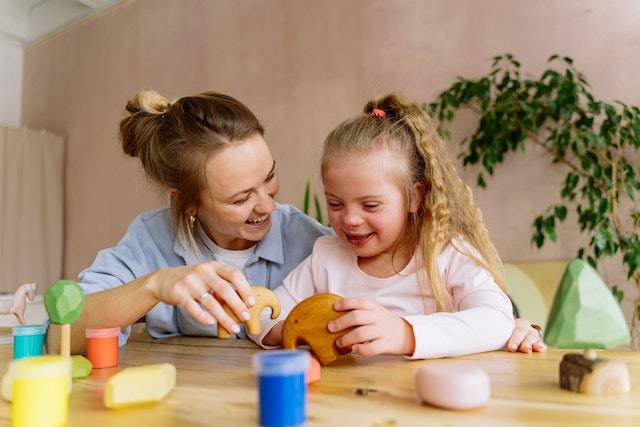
(303,66)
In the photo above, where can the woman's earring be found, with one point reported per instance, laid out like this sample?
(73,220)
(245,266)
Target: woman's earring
(192,221)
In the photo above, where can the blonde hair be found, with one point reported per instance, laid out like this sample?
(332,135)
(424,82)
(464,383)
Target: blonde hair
(447,211)
(173,140)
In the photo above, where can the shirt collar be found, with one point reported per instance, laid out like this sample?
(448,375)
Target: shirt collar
(269,248)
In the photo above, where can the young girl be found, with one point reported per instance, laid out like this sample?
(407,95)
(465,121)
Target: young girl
(411,255)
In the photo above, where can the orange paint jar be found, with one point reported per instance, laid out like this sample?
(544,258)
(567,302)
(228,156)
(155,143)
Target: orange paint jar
(102,347)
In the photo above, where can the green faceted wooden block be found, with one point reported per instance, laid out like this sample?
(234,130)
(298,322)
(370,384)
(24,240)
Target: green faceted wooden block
(584,313)
(64,302)
(81,367)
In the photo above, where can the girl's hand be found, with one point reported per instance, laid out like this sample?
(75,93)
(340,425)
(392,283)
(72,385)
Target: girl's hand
(375,329)
(201,289)
(526,338)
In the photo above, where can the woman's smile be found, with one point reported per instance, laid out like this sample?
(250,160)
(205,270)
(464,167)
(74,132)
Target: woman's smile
(259,222)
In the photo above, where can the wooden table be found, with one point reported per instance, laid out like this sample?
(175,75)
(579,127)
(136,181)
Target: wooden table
(216,387)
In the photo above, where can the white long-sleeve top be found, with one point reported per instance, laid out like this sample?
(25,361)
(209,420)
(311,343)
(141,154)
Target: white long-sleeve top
(483,316)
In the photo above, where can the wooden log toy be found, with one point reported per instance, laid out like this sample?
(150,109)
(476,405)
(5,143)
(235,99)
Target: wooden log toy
(589,375)
(453,385)
(139,385)
(264,298)
(64,302)
(307,324)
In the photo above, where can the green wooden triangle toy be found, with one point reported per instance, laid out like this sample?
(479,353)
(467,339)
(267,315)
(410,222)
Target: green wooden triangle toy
(584,313)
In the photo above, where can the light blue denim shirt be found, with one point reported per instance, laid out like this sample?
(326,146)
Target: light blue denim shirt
(151,244)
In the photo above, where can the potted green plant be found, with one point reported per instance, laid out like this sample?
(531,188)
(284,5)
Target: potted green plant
(316,203)
(598,142)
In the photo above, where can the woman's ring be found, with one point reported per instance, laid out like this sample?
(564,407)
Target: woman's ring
(204,295)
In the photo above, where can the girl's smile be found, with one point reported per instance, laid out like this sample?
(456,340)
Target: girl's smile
(358,239)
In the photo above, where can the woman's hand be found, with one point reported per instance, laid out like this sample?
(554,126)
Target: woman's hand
(526,338)
(201,289)
(375,330)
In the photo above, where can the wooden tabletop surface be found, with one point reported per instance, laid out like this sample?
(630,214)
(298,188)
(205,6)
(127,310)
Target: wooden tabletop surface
(216,386)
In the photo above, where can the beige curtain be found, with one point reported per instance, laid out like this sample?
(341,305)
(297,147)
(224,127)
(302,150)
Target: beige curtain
(31,208)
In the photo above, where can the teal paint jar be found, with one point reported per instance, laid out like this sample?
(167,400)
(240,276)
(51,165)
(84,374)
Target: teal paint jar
(28,341)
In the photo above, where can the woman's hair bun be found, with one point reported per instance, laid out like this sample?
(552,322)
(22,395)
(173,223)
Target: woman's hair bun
(148,101)
(138,130)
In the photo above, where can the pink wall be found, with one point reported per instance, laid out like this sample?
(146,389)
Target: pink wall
(303,66)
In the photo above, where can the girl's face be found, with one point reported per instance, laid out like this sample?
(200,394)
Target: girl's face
(367,207)
(235,208)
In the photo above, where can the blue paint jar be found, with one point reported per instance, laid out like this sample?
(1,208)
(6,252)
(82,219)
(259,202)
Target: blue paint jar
(281,387)
(28,341)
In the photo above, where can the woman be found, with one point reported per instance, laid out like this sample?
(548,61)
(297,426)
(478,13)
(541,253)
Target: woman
(175,266)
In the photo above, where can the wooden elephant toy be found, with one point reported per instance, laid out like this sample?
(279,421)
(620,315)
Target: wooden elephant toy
(307,324)
(264,298)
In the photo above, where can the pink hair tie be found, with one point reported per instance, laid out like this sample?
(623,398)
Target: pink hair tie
(376,112)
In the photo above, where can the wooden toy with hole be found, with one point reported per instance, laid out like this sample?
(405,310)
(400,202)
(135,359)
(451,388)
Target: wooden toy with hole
(307,324)
(264,298)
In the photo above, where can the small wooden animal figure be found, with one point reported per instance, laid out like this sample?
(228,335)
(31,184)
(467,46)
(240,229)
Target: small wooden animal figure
(264,298)
(22,294)
(307,324)
(64,302)
(589,375)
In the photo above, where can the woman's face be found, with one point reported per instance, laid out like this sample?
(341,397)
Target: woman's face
(235,208)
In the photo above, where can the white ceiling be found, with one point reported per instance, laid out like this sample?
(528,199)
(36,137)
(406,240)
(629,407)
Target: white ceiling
(25,21)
